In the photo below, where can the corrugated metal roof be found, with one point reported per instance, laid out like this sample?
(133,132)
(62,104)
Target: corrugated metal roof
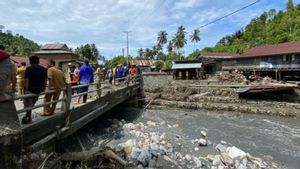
(271,50)
(218,55)
(52,52)
(186,65)
(142,62)
(58,46)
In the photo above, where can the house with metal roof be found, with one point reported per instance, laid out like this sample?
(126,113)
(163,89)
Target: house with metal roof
(279,61)
(58,52)
(143,64)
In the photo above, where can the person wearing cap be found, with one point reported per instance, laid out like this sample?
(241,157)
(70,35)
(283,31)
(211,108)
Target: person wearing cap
(7,76)
(21,77)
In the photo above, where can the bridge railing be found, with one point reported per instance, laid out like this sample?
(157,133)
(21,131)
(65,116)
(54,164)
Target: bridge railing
(67,97)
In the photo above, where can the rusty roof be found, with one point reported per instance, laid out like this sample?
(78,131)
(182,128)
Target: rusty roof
(19,59)
(57,46)
(271,50)
(142,62)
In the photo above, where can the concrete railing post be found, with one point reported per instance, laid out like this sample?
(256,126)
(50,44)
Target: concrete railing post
(67,95)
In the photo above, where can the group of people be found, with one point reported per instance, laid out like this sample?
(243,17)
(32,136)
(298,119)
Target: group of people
(116,74)
(36,79)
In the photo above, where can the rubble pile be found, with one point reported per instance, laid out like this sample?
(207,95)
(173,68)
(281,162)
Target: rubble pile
(232,77)
(149,148)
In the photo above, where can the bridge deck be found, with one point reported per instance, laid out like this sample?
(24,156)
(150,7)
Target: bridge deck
(79,115)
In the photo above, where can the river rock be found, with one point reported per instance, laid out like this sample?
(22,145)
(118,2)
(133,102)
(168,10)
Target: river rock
(226,159)
(220,148)
(198,162)
(210,157)
(144,157)
(155,138)
(235,152)
(129,145)
(135,153)
(188,157)
(216,160)
(151,123)
(204,133)
(202,142)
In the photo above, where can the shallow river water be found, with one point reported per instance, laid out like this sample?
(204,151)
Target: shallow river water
(258,135)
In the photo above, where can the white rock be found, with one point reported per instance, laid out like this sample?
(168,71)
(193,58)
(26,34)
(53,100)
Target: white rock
(196,149)
(188,157)
(217,160)
(155,138)
(235,152)
(220,148)
(202,142)
(151,123)
(135,153)
(204,133)
(129,145)
(197,162)
(175,125)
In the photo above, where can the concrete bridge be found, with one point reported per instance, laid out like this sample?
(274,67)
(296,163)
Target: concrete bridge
(45,132)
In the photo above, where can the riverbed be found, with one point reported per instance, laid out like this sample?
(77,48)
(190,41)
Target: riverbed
(258,135)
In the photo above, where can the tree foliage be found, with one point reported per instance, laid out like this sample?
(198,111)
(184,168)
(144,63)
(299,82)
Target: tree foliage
(89,52)
(17,44)
(271,27)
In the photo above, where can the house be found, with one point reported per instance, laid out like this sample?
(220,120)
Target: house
(187,69)
(144,65)
(218,57)
(279,61)
(58,52)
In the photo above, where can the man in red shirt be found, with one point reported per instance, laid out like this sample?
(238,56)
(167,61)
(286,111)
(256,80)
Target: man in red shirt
(132,72)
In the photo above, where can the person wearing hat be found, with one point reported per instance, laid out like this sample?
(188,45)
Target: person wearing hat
(7,76)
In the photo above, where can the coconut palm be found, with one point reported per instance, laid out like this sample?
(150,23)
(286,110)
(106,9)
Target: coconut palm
(179,40)
(195,37)
(140,52)
(170,47)
(162,38)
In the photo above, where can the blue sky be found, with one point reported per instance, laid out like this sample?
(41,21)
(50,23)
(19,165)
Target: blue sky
(102,22)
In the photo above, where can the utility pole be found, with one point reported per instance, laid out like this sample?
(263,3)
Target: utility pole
(127,32)
(123,52)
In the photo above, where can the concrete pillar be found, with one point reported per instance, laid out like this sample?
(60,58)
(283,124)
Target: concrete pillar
(10,137)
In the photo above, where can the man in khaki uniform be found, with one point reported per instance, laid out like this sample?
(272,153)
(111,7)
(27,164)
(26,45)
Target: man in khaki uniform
(56,81)
(21,78)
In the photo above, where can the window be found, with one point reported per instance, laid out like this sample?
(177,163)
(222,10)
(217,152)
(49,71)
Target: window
(288,58)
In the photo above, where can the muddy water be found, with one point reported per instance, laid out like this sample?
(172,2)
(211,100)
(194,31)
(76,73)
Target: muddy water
(257,134)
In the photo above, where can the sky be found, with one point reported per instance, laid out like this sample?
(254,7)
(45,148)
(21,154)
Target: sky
(103,22)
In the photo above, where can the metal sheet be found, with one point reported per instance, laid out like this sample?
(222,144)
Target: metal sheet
(187,66)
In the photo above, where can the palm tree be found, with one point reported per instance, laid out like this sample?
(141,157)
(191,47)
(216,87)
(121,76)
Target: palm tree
(170,47)
(162,38)
(147,53)
(154,52)
(179,40)
(195,37)
(140,52)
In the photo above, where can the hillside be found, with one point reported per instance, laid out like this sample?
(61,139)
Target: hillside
(271,27)
(17,44)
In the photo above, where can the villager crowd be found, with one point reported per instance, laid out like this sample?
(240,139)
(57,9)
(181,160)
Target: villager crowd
(35,79)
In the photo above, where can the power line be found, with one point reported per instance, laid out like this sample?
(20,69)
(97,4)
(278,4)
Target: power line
(225,16)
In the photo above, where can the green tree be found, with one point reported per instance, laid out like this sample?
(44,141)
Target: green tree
(179,40)
(162,38)
(195,37)
(141,53)
(170,47)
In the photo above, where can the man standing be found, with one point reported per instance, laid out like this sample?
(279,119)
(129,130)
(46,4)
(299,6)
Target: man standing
(20,78)
(56,81)
(7,76)
(86,76)
(35,83)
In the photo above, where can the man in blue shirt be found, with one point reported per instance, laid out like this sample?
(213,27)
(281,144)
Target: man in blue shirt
(86,76)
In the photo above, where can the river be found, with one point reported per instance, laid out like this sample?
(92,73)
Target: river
(258,135)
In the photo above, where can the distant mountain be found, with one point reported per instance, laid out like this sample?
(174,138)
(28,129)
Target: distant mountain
(271,27)
(17,44)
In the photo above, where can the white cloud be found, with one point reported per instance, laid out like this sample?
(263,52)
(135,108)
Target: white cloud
(102,22)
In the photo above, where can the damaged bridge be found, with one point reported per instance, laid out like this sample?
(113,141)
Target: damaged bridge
(46,132)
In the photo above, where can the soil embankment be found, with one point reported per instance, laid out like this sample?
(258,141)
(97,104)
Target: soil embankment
(186,95)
